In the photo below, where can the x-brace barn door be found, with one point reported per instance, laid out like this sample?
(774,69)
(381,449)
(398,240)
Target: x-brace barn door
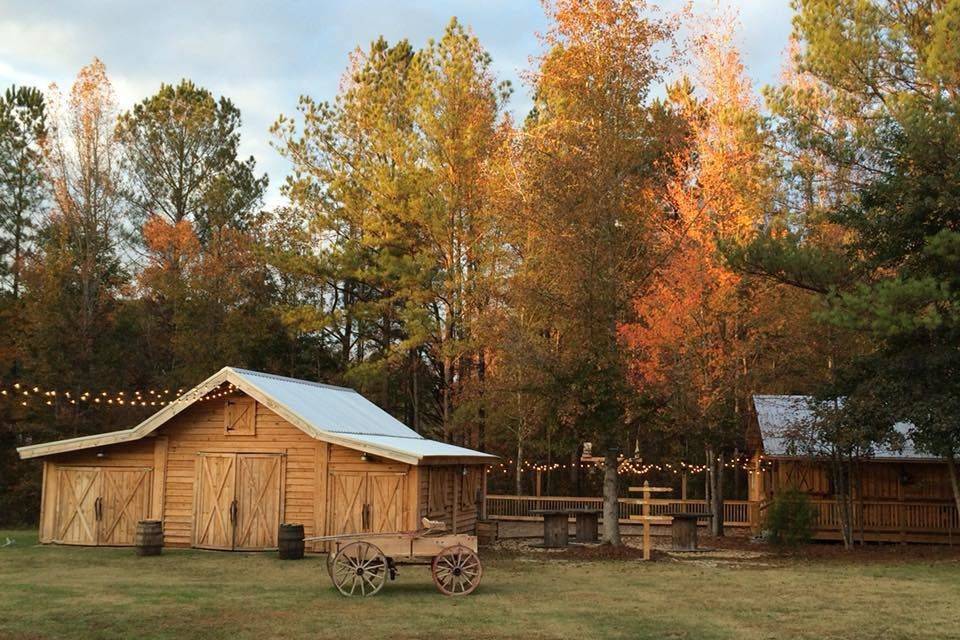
(214,513)
(259,500)
(239,500)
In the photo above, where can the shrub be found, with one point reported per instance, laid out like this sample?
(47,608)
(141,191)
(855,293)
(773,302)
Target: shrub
(790,518)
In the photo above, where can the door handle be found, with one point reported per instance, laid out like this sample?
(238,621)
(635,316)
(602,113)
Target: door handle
(365,517)
(98,508)
(233,512)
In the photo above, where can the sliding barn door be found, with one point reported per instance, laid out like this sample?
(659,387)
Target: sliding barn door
(214,510)
(78,494)
(259,500)
(124,501)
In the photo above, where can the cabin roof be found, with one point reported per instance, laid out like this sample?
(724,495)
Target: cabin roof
(325,412)
(778,415)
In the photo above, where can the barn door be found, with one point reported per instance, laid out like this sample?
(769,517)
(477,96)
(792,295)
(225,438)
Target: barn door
(348,497)
(366,502)
(385,502)
(215,511)
(258,500)
(78,500)
(124,501)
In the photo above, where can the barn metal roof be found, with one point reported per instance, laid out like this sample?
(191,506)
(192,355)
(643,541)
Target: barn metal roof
(779,415)
(325,412)
(329,408)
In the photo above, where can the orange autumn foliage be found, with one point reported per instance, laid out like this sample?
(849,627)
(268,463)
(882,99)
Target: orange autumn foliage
(694,319)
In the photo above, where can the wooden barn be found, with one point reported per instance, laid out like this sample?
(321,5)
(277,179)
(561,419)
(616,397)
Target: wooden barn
(899,495)
(227,462)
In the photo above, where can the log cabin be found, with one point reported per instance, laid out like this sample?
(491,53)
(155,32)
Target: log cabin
(224,464)
(899,495)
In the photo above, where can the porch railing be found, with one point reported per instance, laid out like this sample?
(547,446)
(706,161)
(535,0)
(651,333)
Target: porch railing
(889,516)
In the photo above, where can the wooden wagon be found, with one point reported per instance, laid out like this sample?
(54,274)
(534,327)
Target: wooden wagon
(359,563)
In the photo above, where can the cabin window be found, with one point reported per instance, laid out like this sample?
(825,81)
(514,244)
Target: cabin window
(240,417)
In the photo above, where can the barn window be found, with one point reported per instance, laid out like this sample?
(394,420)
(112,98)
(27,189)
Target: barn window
(438,490)
(468,487)
(240,417)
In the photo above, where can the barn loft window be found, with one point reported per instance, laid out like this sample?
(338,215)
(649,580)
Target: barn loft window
(240,417)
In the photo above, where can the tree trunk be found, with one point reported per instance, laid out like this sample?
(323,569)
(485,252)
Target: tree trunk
(518,475)
(954,481)
(716,506)
(611,495)
(482,410)
(844,507)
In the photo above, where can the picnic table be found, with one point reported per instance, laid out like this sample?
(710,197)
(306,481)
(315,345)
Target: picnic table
(556,525)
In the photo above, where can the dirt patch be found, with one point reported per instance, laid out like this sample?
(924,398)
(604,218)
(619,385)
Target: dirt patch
(733,552)
(631,550)
(881,553)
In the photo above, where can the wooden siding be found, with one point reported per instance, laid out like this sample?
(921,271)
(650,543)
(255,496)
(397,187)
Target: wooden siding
(201,429)
(875,479)
(172,455)
(441,496)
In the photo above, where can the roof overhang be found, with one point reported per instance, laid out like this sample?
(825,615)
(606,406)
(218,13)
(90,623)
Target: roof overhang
(228,375)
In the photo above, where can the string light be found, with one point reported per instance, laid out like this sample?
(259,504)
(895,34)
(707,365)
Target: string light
(29,395)
(630,467)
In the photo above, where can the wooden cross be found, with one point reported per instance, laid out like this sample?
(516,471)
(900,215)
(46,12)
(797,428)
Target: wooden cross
(646,518)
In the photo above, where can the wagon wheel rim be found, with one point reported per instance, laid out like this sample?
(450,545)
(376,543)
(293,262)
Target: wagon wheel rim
(457,571)
(359,569)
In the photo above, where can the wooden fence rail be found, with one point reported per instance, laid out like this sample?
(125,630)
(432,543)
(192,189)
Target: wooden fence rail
(736,513)
(876,520)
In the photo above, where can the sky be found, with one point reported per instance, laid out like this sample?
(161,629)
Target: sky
(263,55)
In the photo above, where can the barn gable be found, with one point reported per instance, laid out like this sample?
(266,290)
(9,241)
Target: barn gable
(332,414)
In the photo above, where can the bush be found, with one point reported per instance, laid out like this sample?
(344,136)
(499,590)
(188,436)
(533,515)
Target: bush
(790,518)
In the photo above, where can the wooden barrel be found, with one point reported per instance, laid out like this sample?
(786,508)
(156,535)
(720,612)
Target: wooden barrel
(290,541)
(149,538)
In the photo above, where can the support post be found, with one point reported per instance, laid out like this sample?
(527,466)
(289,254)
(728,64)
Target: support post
(646,519)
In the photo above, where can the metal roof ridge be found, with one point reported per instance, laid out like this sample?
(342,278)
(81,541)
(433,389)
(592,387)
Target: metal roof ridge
(378,435)
(274,376)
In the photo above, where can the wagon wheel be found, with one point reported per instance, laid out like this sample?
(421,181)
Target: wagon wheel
(360,568)
(457,571)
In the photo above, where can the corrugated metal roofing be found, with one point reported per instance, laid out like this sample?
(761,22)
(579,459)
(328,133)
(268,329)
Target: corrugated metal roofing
(421,447)
(777,416)
(328,408)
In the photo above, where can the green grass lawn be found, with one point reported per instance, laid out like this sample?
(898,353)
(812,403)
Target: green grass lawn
(64,592)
